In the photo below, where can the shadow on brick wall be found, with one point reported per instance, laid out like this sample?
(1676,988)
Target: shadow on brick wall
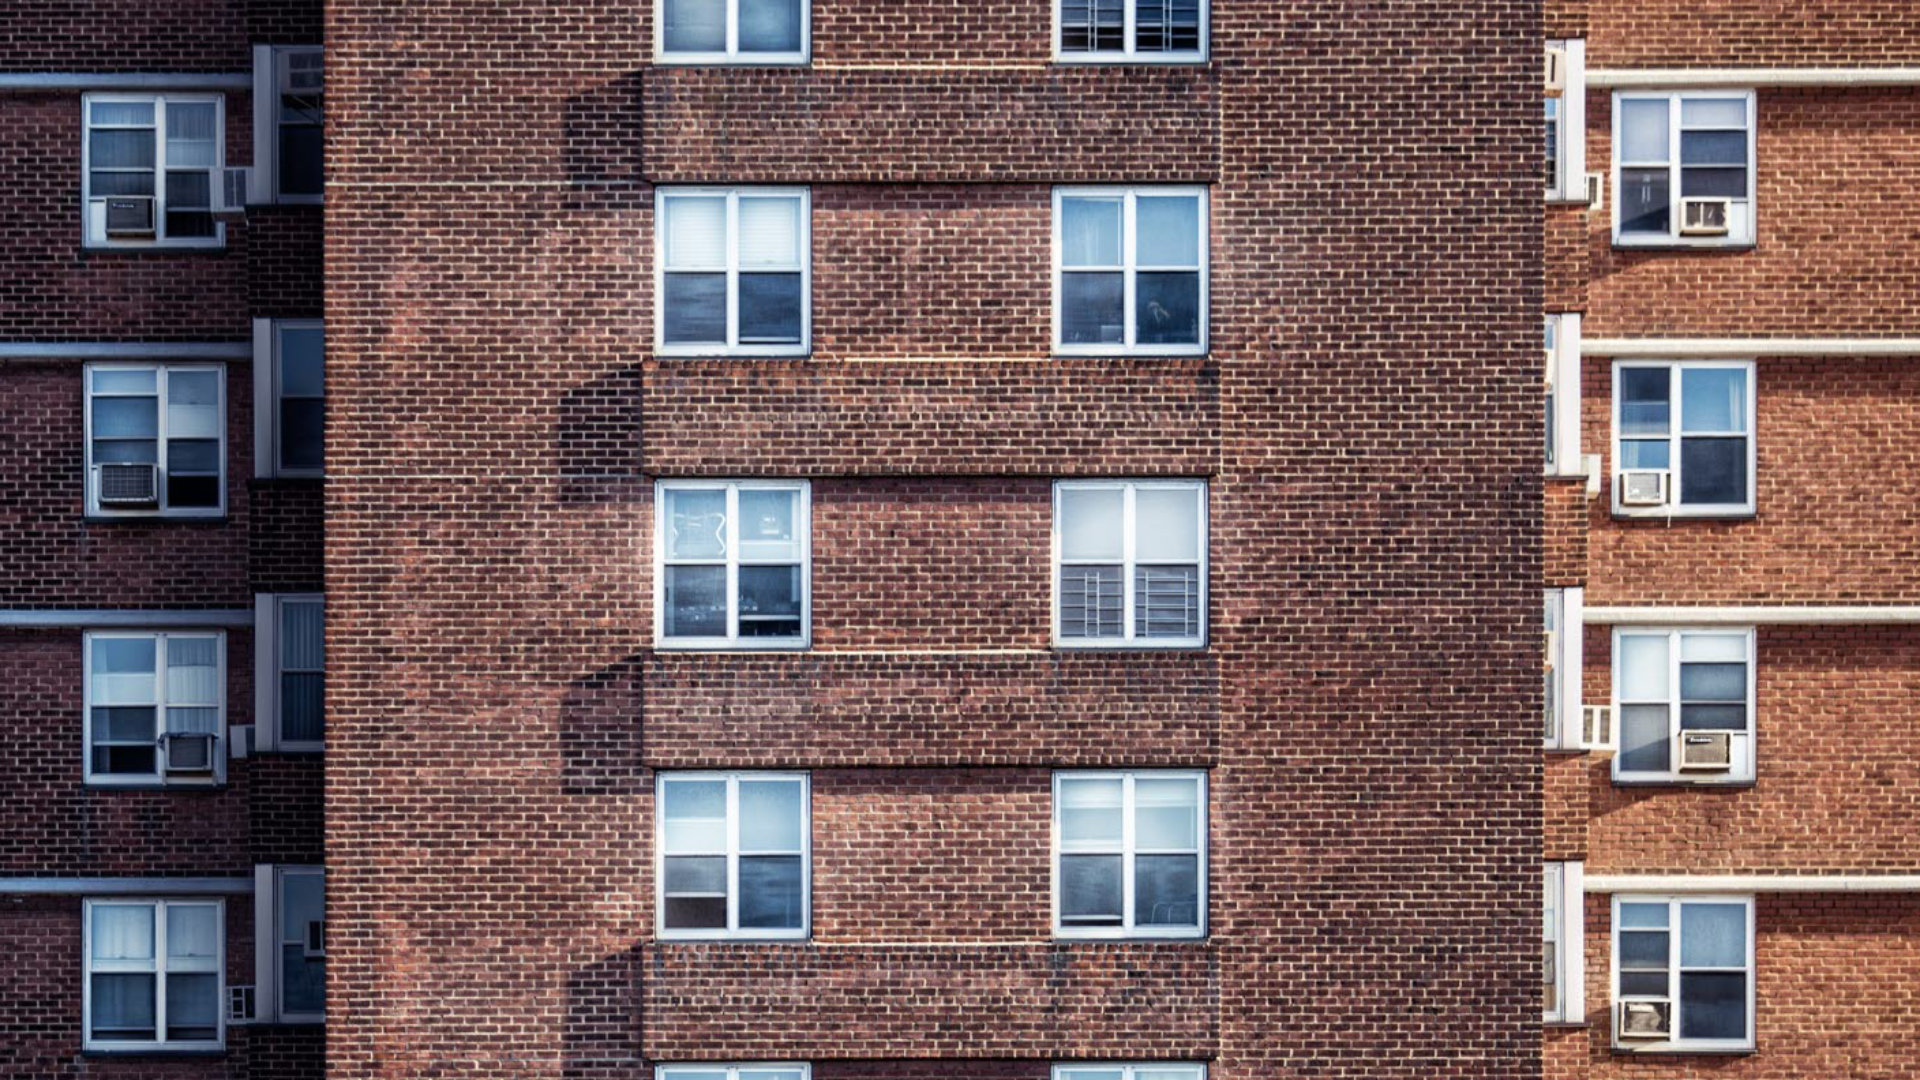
(601,1038)
(603,133)
(600,733)
(597,440)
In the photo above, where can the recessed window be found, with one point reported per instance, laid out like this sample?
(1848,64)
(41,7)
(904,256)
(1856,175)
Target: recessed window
(151,165)
(155,707)
(1130,856)
(733,565)
(1684,698)
(153,974)
(733,855)
(156,440)
(1130,271)
(1562,691)
(1563,394)
(1154,1070)
(1562,968)
(1683,168)
(1566,94)
(734,272)
(296,954)
(290,398)
(289,98)
(1130,563)
(1683,438)
(723,1071)
(1130,31)
(1683,974)
(733,31)
(290,672)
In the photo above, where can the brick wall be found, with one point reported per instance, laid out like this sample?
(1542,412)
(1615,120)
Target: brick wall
(1744,33)
(117,35)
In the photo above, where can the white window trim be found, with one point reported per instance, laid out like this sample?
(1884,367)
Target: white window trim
(1569,658)
(159,970)
(733,931)
(1676,1044)
(1564,378)
(1744,743)
(731,56)
(731,1068)
(732,348)
(1569,182)
(265,185)
(266,396)
(1564,882)
(1130,269)
(1065,1070)
(159,777)
(1675,418)
(803,525)
(1128,639)
(1127,929)
(1741,218)
(163,370)
(159,102)
(1129,54)
(266,673)
(269,934)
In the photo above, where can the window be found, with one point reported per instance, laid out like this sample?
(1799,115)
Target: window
(156,707)
(1566,119)
(734,855)
(1563,395)
(734,277)
(1563,970)
(1131,563)
(290,958)
(156,440)
(1683,168)
(1130,854)
(733,31)
(289,643)
(1562,691)
(1157,1070)
(1683,973)
(1683,438)
(151,163)
(1130,31)
(153,974)
(733,564)
(288,100)
(1684,699)
(1130,271)
(289,397)
(721,1071)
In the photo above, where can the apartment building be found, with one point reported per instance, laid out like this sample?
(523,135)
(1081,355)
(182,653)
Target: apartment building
(1733,611)
(161,508)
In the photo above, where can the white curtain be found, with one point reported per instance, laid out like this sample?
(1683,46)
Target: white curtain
(123,932)
(193,932)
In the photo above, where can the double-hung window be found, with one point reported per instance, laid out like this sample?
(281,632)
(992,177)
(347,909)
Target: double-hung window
(1566,96)
(1130,31)
(733,564)
(734,273)
(733,31)
(1130,854)
(1683,973)
(1563,394)
(1130,562)
(1683,168)
(290,958)
(288,99)
(1562,690)
(1130,271)
(1563,966)
(734,855)
(1146,1070)
(723,1071)
(151,163)
(289,672)
(289,397)
(1684,698)
(1683,438)
(155,707)
(153,974)
(156,440)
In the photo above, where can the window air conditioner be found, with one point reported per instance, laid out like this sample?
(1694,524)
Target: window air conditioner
(1706,751)
(1597,728)
(1596,190)
(121,483)
(1704,217)
(236,190)
(189,752)
(1643,487)
(1556,69)
(1646,1019)
(240,1007)
(129,215)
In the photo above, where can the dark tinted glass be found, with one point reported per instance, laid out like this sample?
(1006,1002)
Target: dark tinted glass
(1090,890)
(696,601)
(694,309)
(770,892)
(1091,603)
(300,150)
(1166,890)
(1644,195)
(302,422)
(1092,309)
(1713,1005)
(770,309)
(1167,308)
(1713,471)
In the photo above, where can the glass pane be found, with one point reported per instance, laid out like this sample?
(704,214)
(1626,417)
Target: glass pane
(1643,667)
(1091,602)
(770,26)
(696,835)
(696,601)
(696,26)
(126,417)
(695,876)
(124,724)
(770,232)
(193,1002)
(1167,230)
(770,601)
(123,1007)
(1645,408)
(770,309)
(1713,1006)
(189,190)
(193,674)
(1166,26)
(1645,454)
(1713,682)
(193,404)
(1092,309)
(302,433)
(1166,890)
(302,361)
(1713,400)
(126,381)
(302,900)
(695,801)
(1167,524)
(1713,148)
(1644,205)
(771,895)
(1645,983)
(1092,521)
(303,980)
(123,112)
(190,135)
(303,707)
(1090,814)
(193,491)
(1643,916)
(193,932)
(1713,718)
(1166,815)
(1167,308)
(189,223)
(193,721)
(1091,1074)
(122,183)
(1713,471)
(123,932)
(193,456)
(694,309)
(1644,746)
(1089,232)
(696,523)
(1092,25)
(302,152)
(1713,935)
(1713,112)
(695,913)
(770,815)
(767,525)
(1643,136)
(124,760)
(696,224)
(1166,601)
(1090,890)
(1714,183)
(760,1074)
(1643,949)
(123,671)
(121,150)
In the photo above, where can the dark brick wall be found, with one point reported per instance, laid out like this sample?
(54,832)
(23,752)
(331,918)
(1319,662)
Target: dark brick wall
(1746,33)
(119,35)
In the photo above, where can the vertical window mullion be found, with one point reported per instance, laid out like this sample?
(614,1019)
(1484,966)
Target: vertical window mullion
(160,971)
(1128,554)
(732,43)
(1673,703)
(1673,168)
(733,855)
(733,563)
(1128,30)
(159,170)
(1675,423)
(1128,842)
(733,243)
(1128,255)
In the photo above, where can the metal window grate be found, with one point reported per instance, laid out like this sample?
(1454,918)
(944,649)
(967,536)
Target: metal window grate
(1091,602)
(1166,601)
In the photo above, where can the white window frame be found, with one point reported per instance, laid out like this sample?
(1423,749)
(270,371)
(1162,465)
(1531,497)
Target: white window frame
(1562,354)
(731,56)
(1675,420)
(733,931)
(732,347)
(1565,896)
(158,968)
(1744,743)
(1562,727)
(267,611)
(1129,638)
(1128,852)
(1741,216)
(160,103)
(1129,53)
(1128,1069)
(803,525)
(268,65)
(732,1069)
(1676,1044)
(162,372)
(1130,269)
(267,335)
(1568,183)
(159,777)
(270,934)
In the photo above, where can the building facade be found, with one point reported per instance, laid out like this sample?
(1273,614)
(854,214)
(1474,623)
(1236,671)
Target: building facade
(1733,646)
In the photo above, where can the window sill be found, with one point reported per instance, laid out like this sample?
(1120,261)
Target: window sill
(661,938)
(1565,1025)
(1623,514)
(1732,246)
(1678,782)
(1129,646)
(668,352)
(1567,751)
(1665,1050)
(1566,202)
(157,785)
(692,60)
(152,1052)
(1133,937)
(723,648)
(90,251)
(155,519)
(1067,352)
(1134,60)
